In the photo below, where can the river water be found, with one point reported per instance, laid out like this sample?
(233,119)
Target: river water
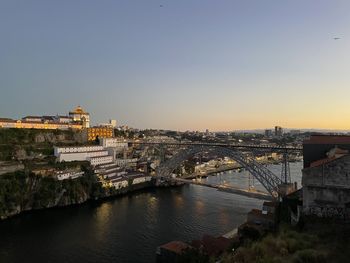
(129,228)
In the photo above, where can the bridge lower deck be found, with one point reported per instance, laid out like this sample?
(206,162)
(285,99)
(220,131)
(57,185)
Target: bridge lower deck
(229,188)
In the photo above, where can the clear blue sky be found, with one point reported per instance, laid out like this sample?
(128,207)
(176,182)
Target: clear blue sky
(190,64)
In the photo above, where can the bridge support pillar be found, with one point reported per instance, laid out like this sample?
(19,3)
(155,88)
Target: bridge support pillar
(285,172)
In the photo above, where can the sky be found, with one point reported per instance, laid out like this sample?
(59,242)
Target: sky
(179,64)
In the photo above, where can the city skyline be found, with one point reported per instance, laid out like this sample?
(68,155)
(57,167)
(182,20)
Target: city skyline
(184,65)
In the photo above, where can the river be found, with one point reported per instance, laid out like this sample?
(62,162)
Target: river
(129,228)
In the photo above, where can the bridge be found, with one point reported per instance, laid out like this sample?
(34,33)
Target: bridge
(268,179)
(253,193)
(226,145)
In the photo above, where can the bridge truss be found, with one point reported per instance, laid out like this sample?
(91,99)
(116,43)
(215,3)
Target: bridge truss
(267,178)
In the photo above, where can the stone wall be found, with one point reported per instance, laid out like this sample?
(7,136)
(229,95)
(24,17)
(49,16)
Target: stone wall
(326,189)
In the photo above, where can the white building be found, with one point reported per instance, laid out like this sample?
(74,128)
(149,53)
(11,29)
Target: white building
(120,183)
(113,143)
(96,155)
(62,175)
(113,123)
(76,149)
(100,160)
(110,170)
(126,162)
(141,179)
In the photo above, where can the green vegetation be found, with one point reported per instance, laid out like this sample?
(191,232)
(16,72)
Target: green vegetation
(25,191)
(12,187)
(21,143)
(28,136)
(291,245)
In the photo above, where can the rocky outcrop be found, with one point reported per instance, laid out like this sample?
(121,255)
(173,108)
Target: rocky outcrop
(20,192)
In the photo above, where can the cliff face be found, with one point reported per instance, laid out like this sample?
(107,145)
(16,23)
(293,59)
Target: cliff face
(22,192)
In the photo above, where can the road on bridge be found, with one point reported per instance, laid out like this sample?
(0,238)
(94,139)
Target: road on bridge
(229,188)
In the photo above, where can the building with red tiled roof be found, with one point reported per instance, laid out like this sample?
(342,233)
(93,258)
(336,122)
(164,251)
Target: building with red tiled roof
(326,176)
(170,252)
(316,147)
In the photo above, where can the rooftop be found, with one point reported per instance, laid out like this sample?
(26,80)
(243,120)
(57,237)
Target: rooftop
(328,139)
(176,246)
(78,110)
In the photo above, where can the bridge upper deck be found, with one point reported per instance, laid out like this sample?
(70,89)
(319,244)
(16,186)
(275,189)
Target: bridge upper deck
(228,145)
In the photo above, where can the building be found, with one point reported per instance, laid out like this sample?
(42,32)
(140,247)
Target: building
(126,162)
(64,175)
(110,170)
(138,177)
(77,119)
(111,124)
(326,183)
(96,155)
(93,133)
(119,182)
(261,217)
(278,131)
(98,160)
(316,147)
(22,124)
(114,143)
(79,115)
(171,252)
(268,133)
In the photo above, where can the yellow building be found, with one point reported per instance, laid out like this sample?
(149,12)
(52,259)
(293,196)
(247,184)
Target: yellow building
(101,132)
(20,124)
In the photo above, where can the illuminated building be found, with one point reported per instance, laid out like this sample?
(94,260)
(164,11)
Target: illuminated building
(77,119)
(22,124)
(79,115)
(92,133)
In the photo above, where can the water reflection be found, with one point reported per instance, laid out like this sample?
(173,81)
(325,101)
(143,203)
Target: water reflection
(128,228)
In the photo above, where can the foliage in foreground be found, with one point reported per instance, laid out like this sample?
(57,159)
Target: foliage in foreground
(291,246)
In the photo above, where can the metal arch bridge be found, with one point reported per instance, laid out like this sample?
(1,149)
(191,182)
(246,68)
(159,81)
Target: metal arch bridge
(268,179)
(226,145)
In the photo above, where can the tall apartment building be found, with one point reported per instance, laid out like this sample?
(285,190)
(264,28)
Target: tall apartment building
(278,131)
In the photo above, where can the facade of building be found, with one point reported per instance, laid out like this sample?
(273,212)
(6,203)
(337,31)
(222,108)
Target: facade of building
(23,124)
(90,134)
(278,131)
(77,119)
(316,147)
(96,155)
(68,175)
(142,178)
(126,162)
(100,160)
(268,133)
(111,124)
(110,170)
(120,183)
(79,115)
(113,143)
(76,149)
(326,177)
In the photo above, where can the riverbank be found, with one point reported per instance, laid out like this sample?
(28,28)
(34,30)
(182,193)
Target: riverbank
(21,192)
